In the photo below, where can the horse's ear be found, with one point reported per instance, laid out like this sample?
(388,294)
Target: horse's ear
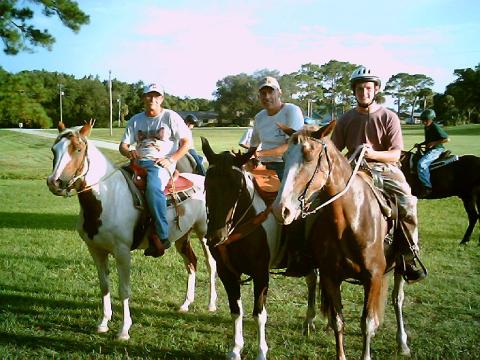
(324,130)
(241,159)
(287,130)
(61,126)
(87,128)
(207,150)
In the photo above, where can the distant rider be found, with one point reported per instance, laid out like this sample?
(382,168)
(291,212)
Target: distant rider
(435,137)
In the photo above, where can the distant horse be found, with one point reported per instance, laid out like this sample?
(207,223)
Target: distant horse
(109,223)
(459,178)
(244,238)
(347,231)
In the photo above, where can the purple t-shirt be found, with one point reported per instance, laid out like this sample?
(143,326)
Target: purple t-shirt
(381,129)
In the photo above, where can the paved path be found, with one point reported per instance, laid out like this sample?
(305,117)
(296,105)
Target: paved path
(42,132)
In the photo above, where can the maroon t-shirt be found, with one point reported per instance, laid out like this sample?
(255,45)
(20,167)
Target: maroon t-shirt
(381,129)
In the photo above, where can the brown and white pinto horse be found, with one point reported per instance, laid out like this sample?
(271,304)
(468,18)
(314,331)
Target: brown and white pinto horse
(244,238)
(108,218)
(346,236)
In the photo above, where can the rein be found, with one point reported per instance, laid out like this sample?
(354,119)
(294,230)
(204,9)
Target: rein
(239,231)
(361,149)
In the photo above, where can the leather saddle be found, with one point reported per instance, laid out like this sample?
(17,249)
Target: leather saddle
(444,159)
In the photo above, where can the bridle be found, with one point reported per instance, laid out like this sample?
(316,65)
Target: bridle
(303,206)
(81,172)
(230,224)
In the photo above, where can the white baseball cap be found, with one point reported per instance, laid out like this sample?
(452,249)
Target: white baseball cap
(270,82)
(154,87)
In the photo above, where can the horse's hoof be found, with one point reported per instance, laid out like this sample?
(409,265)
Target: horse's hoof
(123,337)
(102,329)
(404,351)
(183,309)
(233,356)
(212,308)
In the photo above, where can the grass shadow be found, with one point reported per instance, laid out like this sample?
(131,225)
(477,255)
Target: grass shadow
(20,220)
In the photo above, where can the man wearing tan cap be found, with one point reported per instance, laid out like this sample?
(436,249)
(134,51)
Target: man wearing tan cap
(161,138)
(265,130)
(273,143)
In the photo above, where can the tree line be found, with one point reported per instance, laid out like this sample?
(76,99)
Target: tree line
(41,98)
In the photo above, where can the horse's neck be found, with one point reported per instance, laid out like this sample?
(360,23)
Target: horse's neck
(341,172)
(98,167)
(258,202)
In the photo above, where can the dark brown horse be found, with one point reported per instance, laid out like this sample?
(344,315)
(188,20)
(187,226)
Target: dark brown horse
(459,178)
(346,235)
(244,238)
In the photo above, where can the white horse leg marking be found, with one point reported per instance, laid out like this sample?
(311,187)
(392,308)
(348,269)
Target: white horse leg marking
(191,274)
(123,259)
(212,270)
(100,258)
(262,341)
(398,296)
(238,334)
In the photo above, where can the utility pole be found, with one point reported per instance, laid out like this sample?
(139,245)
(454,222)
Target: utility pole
(61,93)
(110,95)
(119,100)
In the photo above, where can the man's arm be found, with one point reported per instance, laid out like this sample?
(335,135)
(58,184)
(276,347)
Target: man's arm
(388,156)
(276,151)
(127,152)
(184,145)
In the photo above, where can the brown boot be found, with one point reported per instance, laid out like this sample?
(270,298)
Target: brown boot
(410,272)
(156,247)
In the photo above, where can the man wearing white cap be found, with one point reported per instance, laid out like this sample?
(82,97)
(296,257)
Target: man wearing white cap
(161,138)
(273,143)
(265,130)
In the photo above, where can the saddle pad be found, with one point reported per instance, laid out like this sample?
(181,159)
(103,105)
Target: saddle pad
(267,180)
(180,184)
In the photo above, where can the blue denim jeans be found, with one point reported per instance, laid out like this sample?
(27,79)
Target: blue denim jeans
(424,163)
(156,200)
(199,169)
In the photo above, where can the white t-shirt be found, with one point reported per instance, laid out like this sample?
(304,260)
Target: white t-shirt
(155,137)
(267,133)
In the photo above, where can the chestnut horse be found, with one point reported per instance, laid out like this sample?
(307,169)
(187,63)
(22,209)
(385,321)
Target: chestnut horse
(347,231)
(109,222)
(244,238)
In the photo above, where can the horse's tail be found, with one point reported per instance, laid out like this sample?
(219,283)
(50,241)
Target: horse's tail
(382,299)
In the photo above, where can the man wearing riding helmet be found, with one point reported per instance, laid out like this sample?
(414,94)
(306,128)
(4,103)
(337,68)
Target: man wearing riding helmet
(378,129)
(435,137)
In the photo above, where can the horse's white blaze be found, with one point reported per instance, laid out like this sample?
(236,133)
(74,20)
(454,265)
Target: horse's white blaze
(286,206)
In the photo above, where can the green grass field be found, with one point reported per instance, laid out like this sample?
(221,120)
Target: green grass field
(50,302)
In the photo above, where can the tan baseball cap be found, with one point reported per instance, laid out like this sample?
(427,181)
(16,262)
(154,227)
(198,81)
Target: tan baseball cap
(154,87)
(270,82)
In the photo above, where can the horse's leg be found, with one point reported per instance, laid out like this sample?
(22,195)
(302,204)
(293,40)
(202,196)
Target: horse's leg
(332,307)
(398,296)
(123,260)
(374,291)
(184,248)
(231,283)
(473,216)
(260,288)
(212,270)
(100,258)
(311,280)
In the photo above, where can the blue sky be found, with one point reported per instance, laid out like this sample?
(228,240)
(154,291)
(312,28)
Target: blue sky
(189,45)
